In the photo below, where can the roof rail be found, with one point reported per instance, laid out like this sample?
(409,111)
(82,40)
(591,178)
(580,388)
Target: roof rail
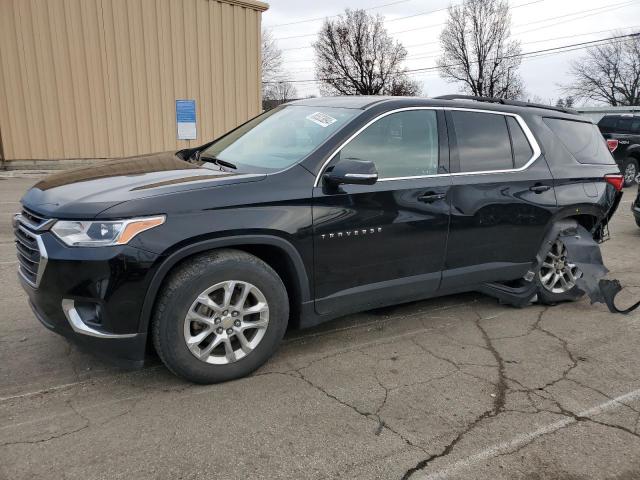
(503,101)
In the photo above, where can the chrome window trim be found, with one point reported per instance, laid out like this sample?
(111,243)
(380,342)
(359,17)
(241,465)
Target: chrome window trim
(537,152)
(361,175)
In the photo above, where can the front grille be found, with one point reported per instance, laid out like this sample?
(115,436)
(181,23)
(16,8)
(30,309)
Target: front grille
(32,219)
(30,250)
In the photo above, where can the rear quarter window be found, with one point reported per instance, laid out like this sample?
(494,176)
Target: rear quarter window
(522,150)
(583,140)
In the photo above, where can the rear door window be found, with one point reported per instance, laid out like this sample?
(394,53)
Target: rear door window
(583,140)
(482,141)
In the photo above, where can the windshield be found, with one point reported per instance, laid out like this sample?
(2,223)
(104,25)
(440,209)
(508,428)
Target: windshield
(279,138)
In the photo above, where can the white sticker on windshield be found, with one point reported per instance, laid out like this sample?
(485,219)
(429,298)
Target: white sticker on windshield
(321,119)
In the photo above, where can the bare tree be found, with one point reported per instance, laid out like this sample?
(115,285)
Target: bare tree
(356,56)
(565,102)
(404,86)
(478,51)
(271,60)
(609,73)
(281,92)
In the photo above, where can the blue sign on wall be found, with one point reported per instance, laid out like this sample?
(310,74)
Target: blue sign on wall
(186,119)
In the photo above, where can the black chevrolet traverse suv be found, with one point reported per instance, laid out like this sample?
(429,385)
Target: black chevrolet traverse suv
(307,212)
(622,133)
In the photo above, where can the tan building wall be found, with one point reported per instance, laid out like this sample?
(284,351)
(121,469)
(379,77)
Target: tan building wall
(99,78)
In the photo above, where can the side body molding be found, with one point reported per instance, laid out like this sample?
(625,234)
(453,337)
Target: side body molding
(202,246)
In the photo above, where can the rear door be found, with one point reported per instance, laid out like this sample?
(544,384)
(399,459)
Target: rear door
(501,198)
(385,243)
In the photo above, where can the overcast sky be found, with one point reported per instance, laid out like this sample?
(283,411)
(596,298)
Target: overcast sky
(538,24)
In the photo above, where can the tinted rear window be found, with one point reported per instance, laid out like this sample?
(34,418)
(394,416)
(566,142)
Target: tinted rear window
(618,124)
(624,125)
(482,140)
(583,140)
(608,122)
(629,125)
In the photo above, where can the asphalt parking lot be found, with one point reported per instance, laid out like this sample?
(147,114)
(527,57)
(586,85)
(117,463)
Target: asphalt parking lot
(456,387)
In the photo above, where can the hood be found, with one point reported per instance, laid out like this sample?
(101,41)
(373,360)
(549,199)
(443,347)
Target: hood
(87,191)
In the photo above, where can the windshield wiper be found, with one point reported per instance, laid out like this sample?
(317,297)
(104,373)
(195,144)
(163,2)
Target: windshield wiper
(217,161)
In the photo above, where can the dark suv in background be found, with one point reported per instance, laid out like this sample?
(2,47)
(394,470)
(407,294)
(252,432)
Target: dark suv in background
(310,211)
(622,133)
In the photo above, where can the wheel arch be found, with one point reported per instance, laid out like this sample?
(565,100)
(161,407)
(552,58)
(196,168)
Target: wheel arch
(277,252)
(589,217)
(634,152)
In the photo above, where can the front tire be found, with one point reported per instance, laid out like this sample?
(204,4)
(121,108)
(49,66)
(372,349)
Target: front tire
(630,171)
(219,316)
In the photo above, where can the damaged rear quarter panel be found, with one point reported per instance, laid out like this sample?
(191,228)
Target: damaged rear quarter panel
(581,190)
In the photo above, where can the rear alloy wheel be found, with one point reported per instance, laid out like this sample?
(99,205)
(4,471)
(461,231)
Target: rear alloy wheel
(630,172)
(557,275)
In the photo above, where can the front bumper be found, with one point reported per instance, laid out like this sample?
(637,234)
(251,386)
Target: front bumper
(94,297)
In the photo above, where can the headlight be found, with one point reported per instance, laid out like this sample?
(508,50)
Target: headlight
(103,233)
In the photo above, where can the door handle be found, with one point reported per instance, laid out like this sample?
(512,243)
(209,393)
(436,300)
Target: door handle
(431,197)
(540,188)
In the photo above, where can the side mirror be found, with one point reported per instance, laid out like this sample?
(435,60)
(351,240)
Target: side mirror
(351,171)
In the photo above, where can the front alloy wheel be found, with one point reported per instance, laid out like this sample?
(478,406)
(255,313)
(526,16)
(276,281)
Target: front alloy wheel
(558,275)
(219,316)
(226,322)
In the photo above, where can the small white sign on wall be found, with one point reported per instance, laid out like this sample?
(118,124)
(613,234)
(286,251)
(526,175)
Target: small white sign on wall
(186,119)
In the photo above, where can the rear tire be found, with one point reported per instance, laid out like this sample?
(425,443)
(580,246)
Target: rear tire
(219,316)
(630,171)
(556,277)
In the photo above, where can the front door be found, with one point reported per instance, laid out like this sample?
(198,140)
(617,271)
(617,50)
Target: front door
(385,243)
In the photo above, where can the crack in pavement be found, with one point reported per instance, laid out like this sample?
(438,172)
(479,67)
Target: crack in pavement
(77,412)
(381,423)
(497,407)
(532,328)
(368,415)
(69,404)
(577,418)
(457,365)
(522,440)
(502,388)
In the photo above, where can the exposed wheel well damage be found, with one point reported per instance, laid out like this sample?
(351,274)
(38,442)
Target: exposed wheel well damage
(589,222)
